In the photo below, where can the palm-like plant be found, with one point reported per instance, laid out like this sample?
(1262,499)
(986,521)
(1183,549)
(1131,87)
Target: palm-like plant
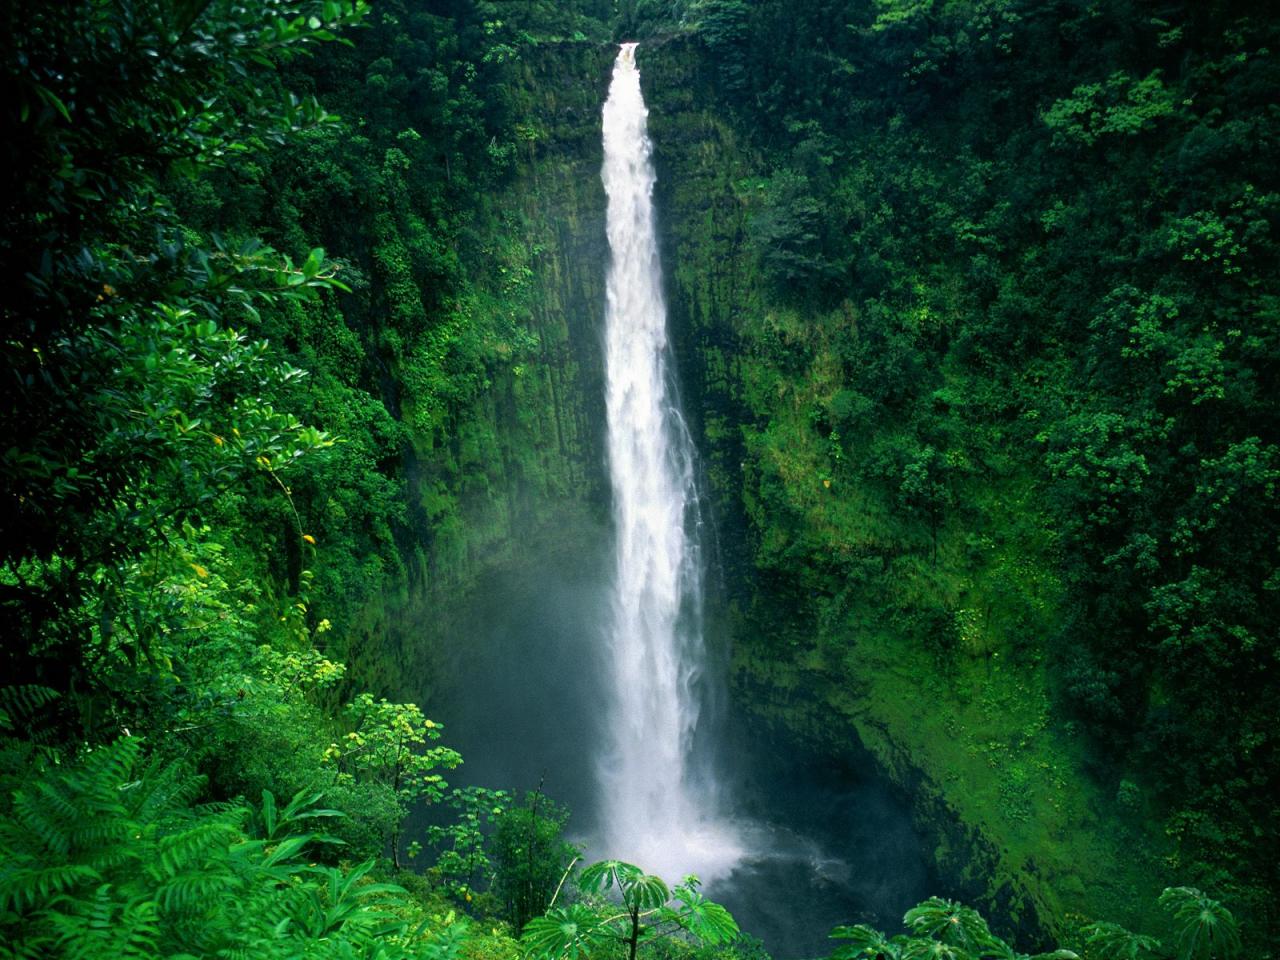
(567,933)
(865,943)
(940,930)
(1207,930)
(950,923)
(1111,941)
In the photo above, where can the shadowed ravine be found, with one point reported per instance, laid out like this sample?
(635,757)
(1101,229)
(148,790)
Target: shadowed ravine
(826,843)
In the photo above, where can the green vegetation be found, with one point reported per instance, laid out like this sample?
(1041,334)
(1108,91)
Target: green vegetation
(207,470)
(976,308)
(943,928)
(110,859)
(976,305)
(578,931)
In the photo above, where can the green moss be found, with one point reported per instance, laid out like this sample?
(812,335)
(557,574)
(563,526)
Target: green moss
(864,619)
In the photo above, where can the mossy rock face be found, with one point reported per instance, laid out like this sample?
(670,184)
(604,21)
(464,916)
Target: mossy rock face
(522,459)
(859,626)
(862,625)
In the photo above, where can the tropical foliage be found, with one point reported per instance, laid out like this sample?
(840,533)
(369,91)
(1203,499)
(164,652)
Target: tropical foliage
(977,300)
(976,308)
(579,930)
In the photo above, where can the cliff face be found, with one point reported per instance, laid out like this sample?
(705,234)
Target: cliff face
(531,445)
(861,623)
(517,473)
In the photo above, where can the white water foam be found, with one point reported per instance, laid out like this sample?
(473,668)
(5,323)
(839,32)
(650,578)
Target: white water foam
(658,807)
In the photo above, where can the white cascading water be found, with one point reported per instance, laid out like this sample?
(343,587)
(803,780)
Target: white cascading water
(656,810)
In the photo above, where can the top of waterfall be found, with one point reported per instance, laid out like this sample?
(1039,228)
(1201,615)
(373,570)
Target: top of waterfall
(628,53)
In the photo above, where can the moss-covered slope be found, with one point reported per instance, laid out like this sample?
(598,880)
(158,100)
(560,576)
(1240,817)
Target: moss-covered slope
(864,617)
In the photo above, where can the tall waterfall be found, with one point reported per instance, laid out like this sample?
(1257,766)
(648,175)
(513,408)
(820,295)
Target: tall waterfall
(657,810)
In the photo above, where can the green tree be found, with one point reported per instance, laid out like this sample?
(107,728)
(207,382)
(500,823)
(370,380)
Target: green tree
(462,857)
(392,744)
(133,399)
(530,856)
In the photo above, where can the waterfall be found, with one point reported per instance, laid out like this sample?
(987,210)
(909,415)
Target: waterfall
(657,807)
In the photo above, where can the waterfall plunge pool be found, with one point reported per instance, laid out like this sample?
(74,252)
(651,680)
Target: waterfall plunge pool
(828,841)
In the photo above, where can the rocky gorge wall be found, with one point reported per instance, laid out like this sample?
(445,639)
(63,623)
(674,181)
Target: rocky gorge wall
(517,478)
(856,628)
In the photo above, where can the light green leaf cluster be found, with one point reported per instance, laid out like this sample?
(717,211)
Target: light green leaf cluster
(1120,105)
(109,857)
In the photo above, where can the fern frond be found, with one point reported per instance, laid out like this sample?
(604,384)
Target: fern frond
(53,799)
(20,703)
(141,930)
(106,927)
(105,770)
(24,888)
(186,848)
(162,788)
(194,892)
(95,835)
(46,830)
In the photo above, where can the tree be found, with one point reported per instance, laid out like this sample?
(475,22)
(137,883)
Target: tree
(926,489)
(387,744)
(131,399)
(530,856)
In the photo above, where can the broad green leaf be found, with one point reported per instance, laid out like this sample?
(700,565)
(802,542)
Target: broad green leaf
(1206,929)
(1113,942)
(602,876)
(644,892)
(864,942)
(564,933)
(949,922)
